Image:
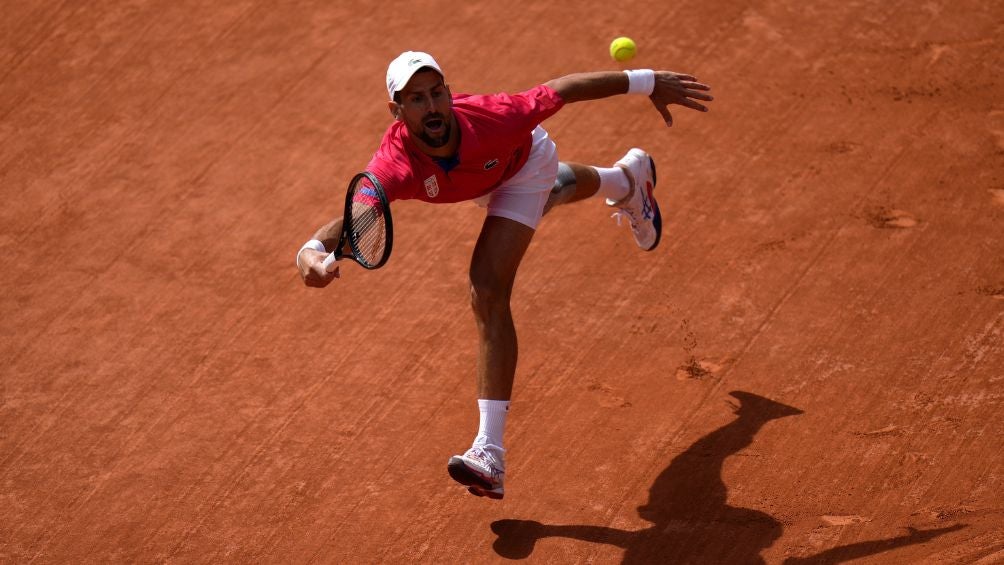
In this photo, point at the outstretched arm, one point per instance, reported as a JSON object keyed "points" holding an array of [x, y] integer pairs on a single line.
{"points": [[670, 88]]}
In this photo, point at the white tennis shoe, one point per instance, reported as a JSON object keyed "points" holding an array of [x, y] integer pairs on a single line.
{"points": [[639, 206], [481, 469]]}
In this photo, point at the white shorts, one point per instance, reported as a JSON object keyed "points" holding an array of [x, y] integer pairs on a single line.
{"points": [[522, 198]]}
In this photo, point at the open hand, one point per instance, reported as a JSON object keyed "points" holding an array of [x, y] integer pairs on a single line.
{"points": [[677, 88]]}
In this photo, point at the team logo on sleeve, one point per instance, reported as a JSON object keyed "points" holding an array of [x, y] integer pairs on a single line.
{"points": [[491, 164], [432, 186]]}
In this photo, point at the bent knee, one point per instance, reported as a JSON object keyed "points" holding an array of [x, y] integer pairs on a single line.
{"points": [[564, 182]]}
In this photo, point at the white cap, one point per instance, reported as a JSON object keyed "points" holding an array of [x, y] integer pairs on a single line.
{"points": [[400, 70]]}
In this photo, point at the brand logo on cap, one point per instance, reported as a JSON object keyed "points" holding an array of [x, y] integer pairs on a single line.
{"points": [[491, 164], [414, 62], [431, 186]]}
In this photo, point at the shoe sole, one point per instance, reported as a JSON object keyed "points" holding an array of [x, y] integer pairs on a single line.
{"points": [[486, 493], [476, 484], [657, 221]]}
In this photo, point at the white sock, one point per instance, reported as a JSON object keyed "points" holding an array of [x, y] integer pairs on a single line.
{"points": [[614, 183], [493, 413]]}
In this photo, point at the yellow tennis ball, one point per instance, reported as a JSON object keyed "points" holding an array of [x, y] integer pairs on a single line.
{"points": [[623, 49]]}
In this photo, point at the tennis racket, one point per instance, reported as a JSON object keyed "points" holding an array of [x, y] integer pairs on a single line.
{"points": [[366, 224]]}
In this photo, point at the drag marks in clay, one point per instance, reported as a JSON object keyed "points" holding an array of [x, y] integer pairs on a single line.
{"points": [[696, 369], [842, 147], [830, 520], [890, 430], [995, 291], [606, 396], [693, 368], [885, 218]]}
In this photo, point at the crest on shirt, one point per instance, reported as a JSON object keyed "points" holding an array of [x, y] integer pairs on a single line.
{"points": [[491, 164], [431, 186]]}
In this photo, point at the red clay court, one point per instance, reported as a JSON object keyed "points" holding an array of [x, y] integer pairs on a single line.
{"points": [[809, 369]]}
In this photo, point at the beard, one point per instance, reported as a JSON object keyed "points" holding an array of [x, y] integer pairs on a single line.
{"points": [[430, 140]]}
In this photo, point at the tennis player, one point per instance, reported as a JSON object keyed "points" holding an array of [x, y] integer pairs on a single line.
{"points": [[444, 147]]}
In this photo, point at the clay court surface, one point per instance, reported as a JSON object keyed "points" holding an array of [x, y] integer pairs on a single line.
{"points": [[809, 369]]}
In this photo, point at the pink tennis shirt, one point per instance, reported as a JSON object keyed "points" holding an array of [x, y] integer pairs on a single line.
{"points": [[495, 136]]}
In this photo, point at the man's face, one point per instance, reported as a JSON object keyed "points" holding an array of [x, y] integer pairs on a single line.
{"points": [[426, 108]]}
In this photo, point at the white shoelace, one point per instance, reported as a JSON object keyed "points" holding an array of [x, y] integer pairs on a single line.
{"points": [[620, 213], [486, 456]]}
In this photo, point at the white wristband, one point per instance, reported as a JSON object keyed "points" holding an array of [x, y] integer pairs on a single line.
{"points": [[314, 244], [641, 81]]}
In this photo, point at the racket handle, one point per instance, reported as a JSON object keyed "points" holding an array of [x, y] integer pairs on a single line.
{"points": [[329, 262]]}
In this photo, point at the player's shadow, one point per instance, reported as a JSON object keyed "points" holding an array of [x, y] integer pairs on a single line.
{"points": [[687, 505]]}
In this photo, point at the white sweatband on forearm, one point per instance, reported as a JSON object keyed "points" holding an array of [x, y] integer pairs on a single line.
{"points": [[641, 81], [314, 244]]}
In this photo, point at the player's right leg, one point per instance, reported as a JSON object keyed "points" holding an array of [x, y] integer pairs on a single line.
{"points": [[639, 205], [628, 186], [574, 182]]}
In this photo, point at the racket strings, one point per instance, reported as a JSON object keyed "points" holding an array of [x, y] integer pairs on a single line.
{"points": [[368, 237]]}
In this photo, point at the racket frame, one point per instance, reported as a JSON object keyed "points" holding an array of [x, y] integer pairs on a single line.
{"points": [[337, 254]]}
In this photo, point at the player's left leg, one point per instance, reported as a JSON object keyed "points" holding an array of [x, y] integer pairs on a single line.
{"points": [[514, 209], [497, 256]]}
